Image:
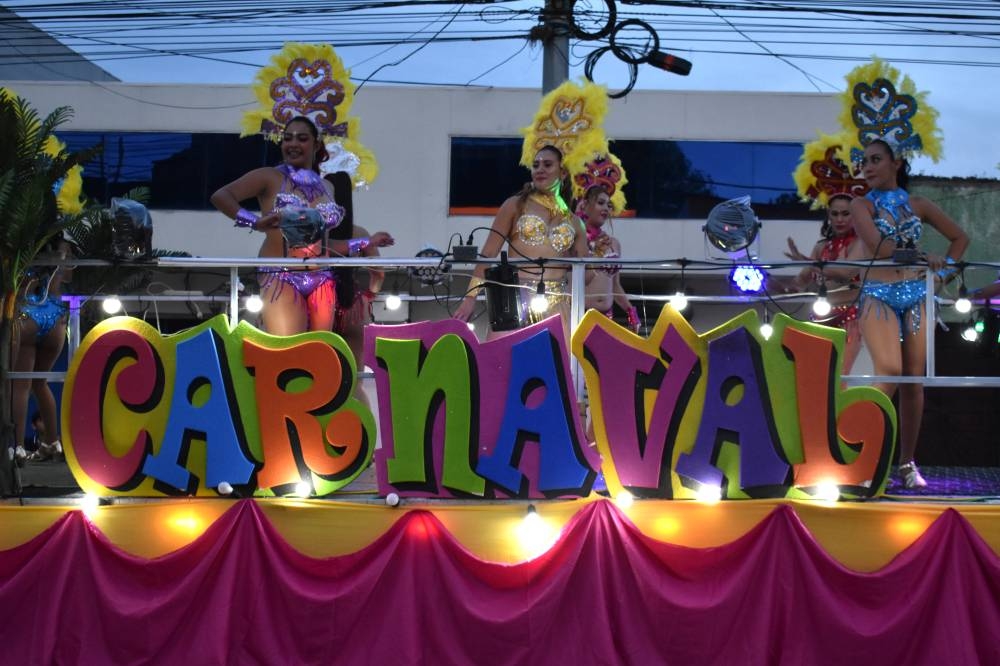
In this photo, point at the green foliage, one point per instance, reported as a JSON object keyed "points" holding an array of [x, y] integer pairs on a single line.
{"points": [[28, 175]]}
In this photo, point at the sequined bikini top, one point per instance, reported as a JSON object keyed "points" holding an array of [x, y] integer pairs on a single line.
{"points": [[310, 184], [535, 231], [599, 247], [893, 216]]}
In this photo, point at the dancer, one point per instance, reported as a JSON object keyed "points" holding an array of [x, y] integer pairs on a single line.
{"points": [[354, 301], [825, 181], [40, 341], [536, 223], [604, 288], [297, 204], [893, 319]]}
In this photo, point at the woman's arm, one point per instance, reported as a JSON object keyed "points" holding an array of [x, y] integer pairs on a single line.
{"points": [[862, 211], [375, 276], [254, 184], [958, 240], [500, 232]]}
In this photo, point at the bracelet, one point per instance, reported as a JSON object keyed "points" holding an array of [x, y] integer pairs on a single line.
{"points": [[475, 285], [356, 245], [947, 270], [633, 317], [245, 218]]}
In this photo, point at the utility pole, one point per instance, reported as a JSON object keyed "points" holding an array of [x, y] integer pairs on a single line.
{"points": [[555, 45]]}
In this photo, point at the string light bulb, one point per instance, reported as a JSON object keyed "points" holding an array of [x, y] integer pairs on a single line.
{"points": [[112, 305], [821, 307], [963, 305], [539, 302]]}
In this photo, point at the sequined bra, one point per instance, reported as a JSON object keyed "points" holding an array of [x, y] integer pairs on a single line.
{"points": [[600, 246], [535, 231], [331, 212], [894, 218]]}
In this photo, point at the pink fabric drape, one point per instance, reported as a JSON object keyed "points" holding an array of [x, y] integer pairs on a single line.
{"points": [[605, 594]]}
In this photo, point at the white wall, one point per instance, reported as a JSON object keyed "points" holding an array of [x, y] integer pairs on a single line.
{"points": [[409, 130]]}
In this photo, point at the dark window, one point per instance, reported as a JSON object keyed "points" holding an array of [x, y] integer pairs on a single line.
{"points": [[667, 179], [181, 170]]}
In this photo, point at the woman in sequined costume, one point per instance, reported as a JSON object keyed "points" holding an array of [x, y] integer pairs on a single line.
{"points": [[354, 300], [295, 299], [839, 241], [535, 224], [40, 341], [893, 320], [604, 288]]}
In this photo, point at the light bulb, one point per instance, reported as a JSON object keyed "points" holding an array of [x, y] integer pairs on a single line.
{"points": [[253, 303], [970, 334], [821, 307], [303, 489], [963, 305], [827, 492], [679, 301], [624, 499], [112, 305], [539, 303], [709, 494], [393, 302], [766, 330]]}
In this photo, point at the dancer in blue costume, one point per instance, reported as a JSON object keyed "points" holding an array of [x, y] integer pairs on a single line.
{"points": [[893, 320], [295, 299], [40, 341]]}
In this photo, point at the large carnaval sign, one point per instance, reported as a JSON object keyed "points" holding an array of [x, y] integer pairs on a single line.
{"points": [[146, 414]]}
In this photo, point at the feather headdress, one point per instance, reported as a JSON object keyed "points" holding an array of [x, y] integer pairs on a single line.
{"points": [[571, 118], [822, 173], [880, 104], [310, 80]]}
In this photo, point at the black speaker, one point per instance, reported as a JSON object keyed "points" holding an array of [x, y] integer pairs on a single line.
{"points": [[501, 296]]}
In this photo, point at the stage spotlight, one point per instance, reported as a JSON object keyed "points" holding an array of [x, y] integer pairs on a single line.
{"points": [[821, 307], [112, 305], [393, 301], [746, 278], [624, 499]]}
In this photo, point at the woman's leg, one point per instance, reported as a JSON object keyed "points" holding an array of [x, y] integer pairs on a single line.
{"points": [[321, 305], [47, 353], [284, 309], [852, 345], [880, 330], [911, 396], [24, 361]]}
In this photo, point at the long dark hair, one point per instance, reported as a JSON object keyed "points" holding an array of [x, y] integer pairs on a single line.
{"points": [[903, 174], [343, 190], [321, 154]]}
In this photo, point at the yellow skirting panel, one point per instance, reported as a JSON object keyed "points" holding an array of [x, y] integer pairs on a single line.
{"points": [[862, 536]]}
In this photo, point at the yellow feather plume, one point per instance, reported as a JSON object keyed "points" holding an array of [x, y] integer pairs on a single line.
{"points": [[571, 118], [69, 196], [824, 170], [924, 117], [310, 80]]}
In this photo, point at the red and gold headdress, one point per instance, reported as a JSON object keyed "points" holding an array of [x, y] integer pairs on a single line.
{"points": [[822, 173], [310, 80], [607, 172]]}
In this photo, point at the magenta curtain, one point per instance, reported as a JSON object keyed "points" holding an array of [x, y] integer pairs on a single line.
{"points": [[605, 594]]}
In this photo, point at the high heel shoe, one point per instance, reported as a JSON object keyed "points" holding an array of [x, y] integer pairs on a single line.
{"points": [[911, 476]]}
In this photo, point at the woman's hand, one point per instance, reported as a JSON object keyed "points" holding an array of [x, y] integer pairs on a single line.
{"points": [[465, 310], [269, 221], [382, 239], [793, 252]]}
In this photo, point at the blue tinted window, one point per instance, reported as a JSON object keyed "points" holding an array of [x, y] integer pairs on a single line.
{"points": [[667, 179], [181, 170]]}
